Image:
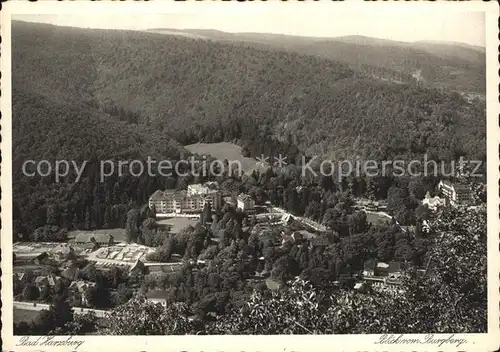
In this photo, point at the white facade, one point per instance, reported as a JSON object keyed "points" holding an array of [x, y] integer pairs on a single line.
{"points": [[433, 203], [180, 202], [245, 203], [455, 193]]}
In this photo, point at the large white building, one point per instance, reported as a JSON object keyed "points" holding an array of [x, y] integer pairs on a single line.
{"points": [[245, 203], [191, 201], [433, 203], [456, 194]]}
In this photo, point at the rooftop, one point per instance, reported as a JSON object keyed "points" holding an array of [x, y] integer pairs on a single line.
{"points": [[456, 186], [39, 279], [200, 189], [381, 265]]}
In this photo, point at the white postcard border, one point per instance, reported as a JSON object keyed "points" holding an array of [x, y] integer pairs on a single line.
{"points": [[476, 342]]}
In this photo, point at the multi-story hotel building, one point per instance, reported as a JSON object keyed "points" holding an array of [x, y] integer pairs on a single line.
{"points": [[191, 201], [455, 194], [245, 203]]}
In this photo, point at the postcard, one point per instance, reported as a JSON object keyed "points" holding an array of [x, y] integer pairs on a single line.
{"points": [[250, 176]]}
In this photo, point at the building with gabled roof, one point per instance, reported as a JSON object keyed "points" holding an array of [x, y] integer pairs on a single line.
{"points": [[81, 285], [91, 239], [78, 289], [41, 281], [19, 276]]}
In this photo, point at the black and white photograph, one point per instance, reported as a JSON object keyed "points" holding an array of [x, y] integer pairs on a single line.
{"points": [[264, 170]]}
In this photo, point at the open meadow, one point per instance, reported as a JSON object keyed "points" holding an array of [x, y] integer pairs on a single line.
{"points": [[226, 150]]}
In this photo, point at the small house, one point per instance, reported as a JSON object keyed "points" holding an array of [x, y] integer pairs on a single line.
{"points": [[43, 281], [245, 203], [433, 203], [382, 269]]}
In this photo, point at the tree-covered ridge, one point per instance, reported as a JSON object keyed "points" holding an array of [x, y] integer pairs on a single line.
{"points": [[76, 132], [455, 66], [267, 99], [48, 130]]}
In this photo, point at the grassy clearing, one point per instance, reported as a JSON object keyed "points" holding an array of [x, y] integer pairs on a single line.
{"points": [[178, 223], [226, 150]]}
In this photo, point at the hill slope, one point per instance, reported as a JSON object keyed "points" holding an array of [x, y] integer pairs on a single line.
{"points": [[438, 64], [48, 130], [271, 100]]}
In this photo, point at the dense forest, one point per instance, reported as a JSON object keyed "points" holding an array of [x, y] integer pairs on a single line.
{"points": [[45, 130], [100, 94], [455, 66], [200, 90]]}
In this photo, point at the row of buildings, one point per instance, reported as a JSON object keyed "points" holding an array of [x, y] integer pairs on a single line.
{"points": [[454, 193], [78, 289], [194, 199]]}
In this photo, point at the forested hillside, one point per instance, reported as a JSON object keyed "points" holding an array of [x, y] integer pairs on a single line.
{"points": [[45, 130], [88, 96], [199, 90], [99, 94], [455, 66]]}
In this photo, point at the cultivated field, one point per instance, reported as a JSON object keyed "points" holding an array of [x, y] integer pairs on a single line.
{"points": [[226, 150]]}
